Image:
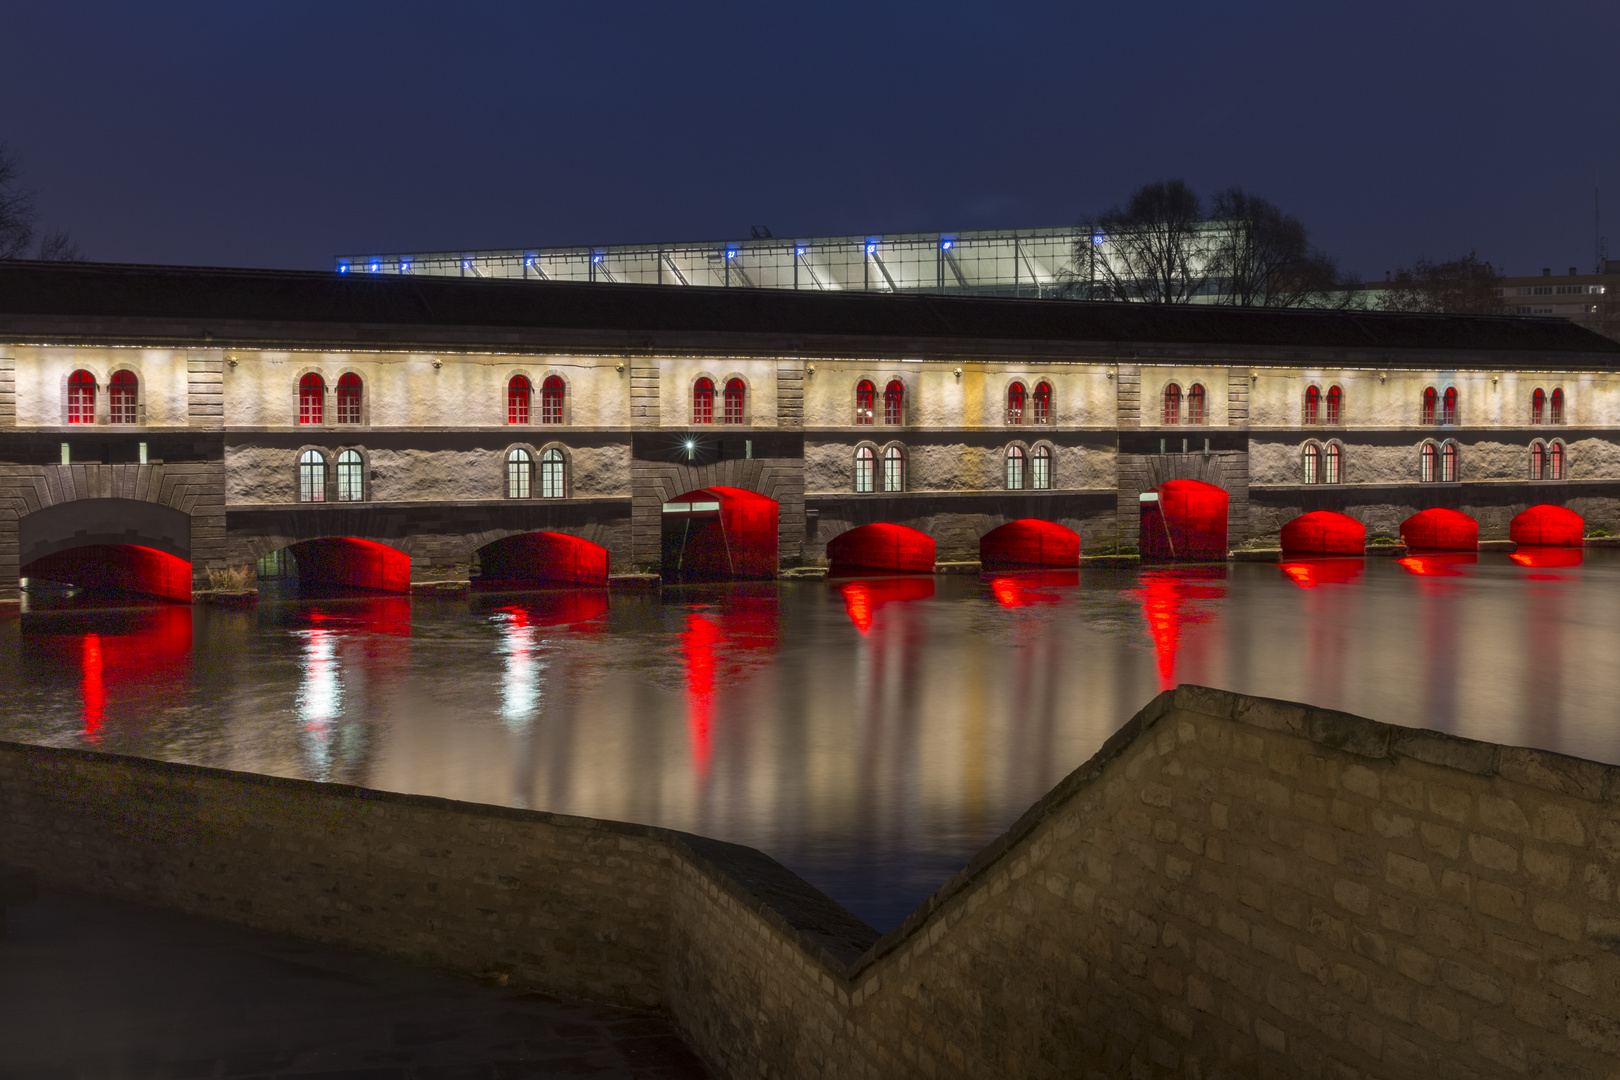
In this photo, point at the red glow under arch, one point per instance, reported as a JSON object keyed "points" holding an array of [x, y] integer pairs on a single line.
{"points": [[737, 540], [1444, 565], [1030, 542], [1310, 573], [1187, 522], [1323, 532], [349, 562], [882, 547], [1169, 604], [1032, 589], [543, 558], [1439, 529], [127, 568], [1548, 526]]}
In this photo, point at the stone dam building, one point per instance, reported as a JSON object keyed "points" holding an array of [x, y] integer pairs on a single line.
{"points": [[161, 426]]}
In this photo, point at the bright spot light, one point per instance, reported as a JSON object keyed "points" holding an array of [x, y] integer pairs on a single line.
{"points": [[946, 245], [1097, 238], [596, 258], [344, 269], [801, 251], [731, 254], [375, 267], [870, 248]]}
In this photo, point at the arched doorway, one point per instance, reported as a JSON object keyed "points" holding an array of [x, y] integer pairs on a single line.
{"points": [[346, 562], [719, 534], [1323, 532], [1030, 542], [542, 558], [1439, 529], [1183, 520], [882, 546], [108, 545]]}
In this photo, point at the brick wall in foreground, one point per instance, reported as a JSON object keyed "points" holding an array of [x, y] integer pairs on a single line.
{"points": [[1231, 887]]}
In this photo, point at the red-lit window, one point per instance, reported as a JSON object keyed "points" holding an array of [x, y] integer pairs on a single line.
{"points": [[121, 396], [1429, 399], [894, 402], [1538, 407], [734, 401], [1558, 406], [311, 399], [1448, 406], [865, 462], [1015, 468], [894, 469], [1313, 463], [1538, 460], [1313, 401], [1333, 464], [1448, 463], [1041, 405], [865, 399], [1335, 404], [518, 394], [1172, 404], [551, 400], [1555, 458], [1195, 404], [703, 402], [81, 398], [1015, 403], [1426, 463], [348, 399]]}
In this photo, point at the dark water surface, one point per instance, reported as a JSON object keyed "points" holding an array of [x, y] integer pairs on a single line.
{"points": [[872, 734]]}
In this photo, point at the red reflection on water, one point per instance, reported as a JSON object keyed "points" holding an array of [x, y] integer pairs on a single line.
{"points": [[142, 651], [372, 615], [563, 607], [1310, 573], [1028, 590], [720, 649], [863, 599], [698, 642], [1548, 558], [94, 691], [1444, 565], [1169, 599]]}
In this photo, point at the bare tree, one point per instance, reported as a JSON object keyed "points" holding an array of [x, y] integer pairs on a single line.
{"points": [[1155, 248], [19, 219], [1465, 286], [1262, 257]]}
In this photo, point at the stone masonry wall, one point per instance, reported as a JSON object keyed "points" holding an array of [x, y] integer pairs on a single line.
{"points": [[1232, 886]]}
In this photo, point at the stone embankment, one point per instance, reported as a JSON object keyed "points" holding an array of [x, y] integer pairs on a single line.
{"points": [[1231, 886]]}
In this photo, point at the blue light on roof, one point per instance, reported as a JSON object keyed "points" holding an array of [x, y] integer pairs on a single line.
{"points": [[731, 253], [871, 248], [404, 266], [376, 266], [529, 261], [343, 268], [1097, 238], [596, 258], [945, 244], [466, 264], [800, 251]]}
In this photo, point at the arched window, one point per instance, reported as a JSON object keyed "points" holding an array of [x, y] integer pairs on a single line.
{"points": [[81, 398], [1448, 406], [703, 401], [1335, 404], [519, 472], [1313, 463], [894, 402], [312, 399], [734, 401], [121, 393], [311, 476], [1172, 404], [1040, 468], [1015, 403], [551, 400], [1555, 458], [1313, 401], [865, 399], [1015, 468], [1538, 460], [1041, 405], [1538, 406], [1333, 464], [519, 392], [351, 476], [1195, 404], [865, 465], [1448, 462], [894, 469], [553, 474], [1558, 405], [348, 399], [1429, 399], [1427, 460]]}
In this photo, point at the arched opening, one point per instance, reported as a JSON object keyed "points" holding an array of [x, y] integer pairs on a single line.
{"points": [[1448, 462], [894, 402], [1313, 401], [348, 399], [1538, 406], [719, 533], [519, 473], [1015, 403], [1538, 460], [311, 399], [1333, 464], [519, 394], [1312, 462], [123, 395], [1439, 529], [100, 546], [1040, 468], [1041, 404], [894, 469], [1172, 405], [1429, 400], [1448, 406], [553, 474], [1428, 463], [1545, 525], [865, 401], [1323, 532], [882, 546], [551, 400], [542, 558], [1195, 404], [81, 403], [1335, 404], [1555, 461], [346, 562], [1030, 542], [1558, 405], [734, 401], [1015, 468], [865, 469], [311, 476], [703, 401], [113, 569], [351, 476], [1183, 519]]}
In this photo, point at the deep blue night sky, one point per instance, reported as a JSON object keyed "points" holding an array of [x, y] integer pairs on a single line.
{"points": [[282, 134]]}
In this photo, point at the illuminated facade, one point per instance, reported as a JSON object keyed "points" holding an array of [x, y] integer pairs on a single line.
{"points": [[221, 417]]}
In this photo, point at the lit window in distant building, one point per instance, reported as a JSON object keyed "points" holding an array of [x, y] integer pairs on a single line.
{"points": [[1333, 464], [1429, 400], [519, 473], [1448, 406], [553, 474], [894, 469], [311, 477], [1172, 405], [351, 476], [121, 397], [894, 402], [1041, 404], [1335, 404], [81, 398], [1015, 468], [1558, 406], [1538, 406], [1313, 401], [519, 394], [865, 399], [1195, 404], [1448, 463], [1538, 460], [1015, 403], [551, 400], [703, 401], [348, 399], [1313, 463], [734, 401], [1040, 468], [1555, 459], [311, 399], [1427, 462], [865, 462]]}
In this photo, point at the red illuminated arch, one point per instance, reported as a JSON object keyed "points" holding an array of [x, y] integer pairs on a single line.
{"points": [[1030, 542], [1545, 525], [865, 402], [81, 398], [1323, 532], [120, 568], [122, 397], [720, 533], [312, 399], [1448, 406], [352, 563], [1538, 406], [1187, 520], [543, 558], [551, 400], [894, 402], [882, 546], [1313, 402], [1429, 400], [1041, 403], [1439, 529], [734, 401], [348, 399], [1335, 404], [1558, 405], [703, 401], [519, 393], [1015, 403], [1172, 404], [1195, 404]]}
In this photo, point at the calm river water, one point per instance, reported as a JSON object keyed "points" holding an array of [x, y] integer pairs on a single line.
{"points": [[872, 734]]}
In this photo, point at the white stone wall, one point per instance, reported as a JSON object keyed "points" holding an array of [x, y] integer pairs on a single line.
{"points": [[1082, 395], [677, 376], [830, 466], [163, 390]]}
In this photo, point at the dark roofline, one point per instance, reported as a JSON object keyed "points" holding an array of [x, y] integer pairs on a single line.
{"points": [[128, 303]]}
